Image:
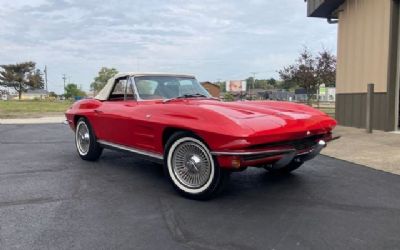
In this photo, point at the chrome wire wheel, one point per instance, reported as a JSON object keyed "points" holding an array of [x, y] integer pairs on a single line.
{"points": [[190, 165], [82, 138]]}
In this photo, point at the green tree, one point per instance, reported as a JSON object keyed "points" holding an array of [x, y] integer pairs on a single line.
{"points": [[326, 68], [249, 83], [37, 79], [310, 71], [288, 82], [21, 77], [222, 85], [272, 82], [72, 91], [53, 94], [101, 79], [228, 97]]}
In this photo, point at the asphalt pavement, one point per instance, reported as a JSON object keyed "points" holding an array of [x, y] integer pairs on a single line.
{"points": [[51, 199]]}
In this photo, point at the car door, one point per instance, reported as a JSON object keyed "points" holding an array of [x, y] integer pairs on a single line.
{"points": [[116, 115]]}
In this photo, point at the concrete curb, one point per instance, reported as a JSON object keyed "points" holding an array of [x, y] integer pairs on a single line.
{"points": [[41, 120]]}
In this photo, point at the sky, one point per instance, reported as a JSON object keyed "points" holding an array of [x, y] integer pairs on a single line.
{"points": [[212, 39]]}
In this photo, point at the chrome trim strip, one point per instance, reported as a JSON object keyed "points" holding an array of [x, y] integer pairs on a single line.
{"points": [[133, 150], [136, 94], [244, 153], [320, 145]]}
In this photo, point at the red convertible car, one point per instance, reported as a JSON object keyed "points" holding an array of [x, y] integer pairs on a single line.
{"points": [[172, 119]]}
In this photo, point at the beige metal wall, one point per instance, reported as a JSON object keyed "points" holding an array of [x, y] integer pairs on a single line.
{"points": [[363, 45]]}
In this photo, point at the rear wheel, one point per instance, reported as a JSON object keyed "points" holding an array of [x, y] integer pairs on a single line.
{"points": [[293, 165], [85, 141], [191, 168]]}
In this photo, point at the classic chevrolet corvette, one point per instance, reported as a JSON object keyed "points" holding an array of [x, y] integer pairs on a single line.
{"points": [[172, 119]]}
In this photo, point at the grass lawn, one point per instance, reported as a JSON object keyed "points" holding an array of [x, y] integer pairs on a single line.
{"points": [[22, 109], [328, 111], [29, 109], [326, 107]]}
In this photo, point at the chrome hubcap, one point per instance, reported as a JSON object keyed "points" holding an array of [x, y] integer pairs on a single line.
{"points": [[82, 138], [191, 164]]}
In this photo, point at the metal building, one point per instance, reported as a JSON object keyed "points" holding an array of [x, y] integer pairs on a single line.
{"points": [[368, 46]]}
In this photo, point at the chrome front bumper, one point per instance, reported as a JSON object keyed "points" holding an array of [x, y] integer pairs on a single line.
{"points": [[276, 158]]}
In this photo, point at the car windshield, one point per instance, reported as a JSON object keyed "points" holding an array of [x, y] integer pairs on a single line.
{"points": [[168, 87]]}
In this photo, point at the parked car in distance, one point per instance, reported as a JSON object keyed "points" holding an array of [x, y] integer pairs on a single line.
{"points": [[173, 120]]}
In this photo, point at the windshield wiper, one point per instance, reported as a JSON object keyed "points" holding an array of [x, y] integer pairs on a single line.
{"points": [[191, 95], [188, 96]]}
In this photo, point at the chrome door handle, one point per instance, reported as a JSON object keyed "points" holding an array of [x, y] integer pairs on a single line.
{"points": [[129, 105]]}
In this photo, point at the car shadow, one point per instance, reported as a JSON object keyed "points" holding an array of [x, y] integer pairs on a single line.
{"points": [[253, 181]]}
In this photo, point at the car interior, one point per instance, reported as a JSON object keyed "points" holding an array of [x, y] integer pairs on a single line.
{"points": [[122, 90]]}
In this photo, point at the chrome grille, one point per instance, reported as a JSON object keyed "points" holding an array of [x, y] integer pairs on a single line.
{"points": [[301, 144]]}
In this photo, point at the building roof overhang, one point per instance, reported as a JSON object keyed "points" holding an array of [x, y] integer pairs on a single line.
{"points": [[323, 8]]}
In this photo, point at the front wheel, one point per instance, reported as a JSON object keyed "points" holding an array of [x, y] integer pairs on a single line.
{"points": [[191, 168], [85, 141]]}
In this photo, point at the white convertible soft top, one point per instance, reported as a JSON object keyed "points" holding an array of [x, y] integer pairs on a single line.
{"points": [[106, 91]]}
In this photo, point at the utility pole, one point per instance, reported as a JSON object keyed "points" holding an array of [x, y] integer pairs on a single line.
{"points": [[45, 77], [64, 78], [254, 80]]}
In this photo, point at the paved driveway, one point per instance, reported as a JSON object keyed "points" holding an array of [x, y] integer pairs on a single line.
{"points": [[50, 199]]}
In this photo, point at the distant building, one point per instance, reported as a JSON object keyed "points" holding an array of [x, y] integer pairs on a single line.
{"points": [[257, 94], [327, 95], [300, 95], [281, 95], [34, 94], [212, 88], [7, 91]]}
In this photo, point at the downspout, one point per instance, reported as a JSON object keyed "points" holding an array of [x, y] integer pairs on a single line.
{"points": [[330, 20], [334, 20]]}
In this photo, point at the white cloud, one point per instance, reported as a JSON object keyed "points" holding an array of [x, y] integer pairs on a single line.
{"points": [[211, 39], [17, 4]]}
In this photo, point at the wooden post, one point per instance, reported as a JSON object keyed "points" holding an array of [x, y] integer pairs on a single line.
{"points": [[370, 107]]}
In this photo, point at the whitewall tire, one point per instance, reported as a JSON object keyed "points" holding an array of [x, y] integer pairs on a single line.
{"points": [[85, 141], [191, 168]]}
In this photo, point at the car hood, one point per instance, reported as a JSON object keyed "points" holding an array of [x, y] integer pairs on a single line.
{"points": [[267, 116]]}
